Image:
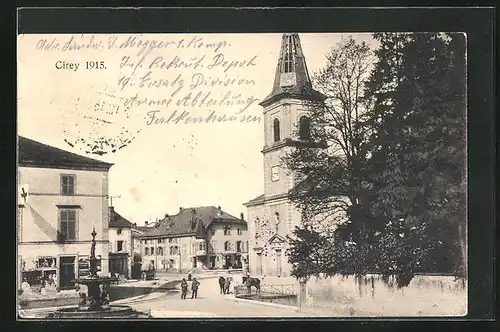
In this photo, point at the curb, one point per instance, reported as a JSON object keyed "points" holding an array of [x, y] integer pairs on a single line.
{"points": [[274, 305], [143, 296]]}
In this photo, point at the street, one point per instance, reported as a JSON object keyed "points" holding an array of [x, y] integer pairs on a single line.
{"points": [[210, 303]]}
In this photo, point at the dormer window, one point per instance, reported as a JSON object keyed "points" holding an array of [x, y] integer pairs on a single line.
{"points": [[276, 130]]}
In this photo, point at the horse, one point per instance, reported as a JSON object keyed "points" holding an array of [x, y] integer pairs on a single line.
{"points": [[249, 282], [222, 281]]}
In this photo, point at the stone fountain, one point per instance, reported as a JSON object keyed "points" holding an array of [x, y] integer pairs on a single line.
{"points": [[96, 305]]}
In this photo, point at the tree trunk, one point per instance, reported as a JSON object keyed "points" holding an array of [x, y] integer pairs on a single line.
{"points": [[301, 300]]}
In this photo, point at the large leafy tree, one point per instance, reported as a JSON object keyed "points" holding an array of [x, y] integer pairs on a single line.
{"points": [[396, 158], [332, 184]]}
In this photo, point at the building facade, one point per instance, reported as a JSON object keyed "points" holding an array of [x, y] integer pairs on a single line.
{"points": [[200, 237], [62, 197], [120, 244], [271, 216]]}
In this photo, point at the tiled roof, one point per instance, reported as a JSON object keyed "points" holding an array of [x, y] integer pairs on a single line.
{"points": [[33, 153], [116, 220], [181, 223]]}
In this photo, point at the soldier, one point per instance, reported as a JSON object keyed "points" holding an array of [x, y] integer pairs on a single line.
{"points": [[194, 288], [184, 288], [227, 285]]}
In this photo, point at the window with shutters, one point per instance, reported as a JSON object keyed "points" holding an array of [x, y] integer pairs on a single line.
{"points": [[68, 184], [160, 251], [174, 250], [119, 245], [146, 251], [213, 246], [67, 225]]}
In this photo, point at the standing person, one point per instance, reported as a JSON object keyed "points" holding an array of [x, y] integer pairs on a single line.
{"points": [[227, 285], [184, 288], [222, 282], [194, 288]]}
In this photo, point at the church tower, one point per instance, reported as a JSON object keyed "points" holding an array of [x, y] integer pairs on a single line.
{"points": [[287, 109]]}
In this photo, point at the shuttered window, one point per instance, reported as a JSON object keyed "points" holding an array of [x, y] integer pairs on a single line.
{"points": [[67, 225]]}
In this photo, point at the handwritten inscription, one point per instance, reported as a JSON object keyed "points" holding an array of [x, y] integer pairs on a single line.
{"points": [[163, 79]]}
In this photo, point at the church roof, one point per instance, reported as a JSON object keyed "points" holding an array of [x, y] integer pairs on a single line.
{"points": [[292, 78], [36, 154], [255, 201], [181, 223]]}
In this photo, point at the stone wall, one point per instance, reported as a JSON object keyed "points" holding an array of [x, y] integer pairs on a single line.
{"points": [[369, 296]]}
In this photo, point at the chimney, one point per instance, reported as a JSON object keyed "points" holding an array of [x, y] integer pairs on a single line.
{"points": [[111, 209], [242, 216], [180, 209], [146, 223], [134, 225], [166, 216], [219, 212]]}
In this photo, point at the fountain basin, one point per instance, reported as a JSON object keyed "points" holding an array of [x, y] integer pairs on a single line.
{"points": [[113, 311]]}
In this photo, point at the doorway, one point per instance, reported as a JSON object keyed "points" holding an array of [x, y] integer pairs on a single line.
{"points": [[212, 262], [278, 263], [66, 272], [228, 262], [259, 264]]}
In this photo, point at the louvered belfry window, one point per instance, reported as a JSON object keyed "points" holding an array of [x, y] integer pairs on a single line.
{"points": [[289, 55]]}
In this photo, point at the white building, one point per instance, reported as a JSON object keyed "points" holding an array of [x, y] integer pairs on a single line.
{"points": [[62, 197], [120, 244]]}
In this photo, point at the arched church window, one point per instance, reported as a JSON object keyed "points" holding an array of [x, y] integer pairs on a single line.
{"points": [[276, 130], [304, 127]]}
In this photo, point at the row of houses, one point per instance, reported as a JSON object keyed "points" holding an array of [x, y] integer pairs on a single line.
{"points": [[64, 196]]}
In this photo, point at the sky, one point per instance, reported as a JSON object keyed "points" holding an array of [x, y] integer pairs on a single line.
{"points": [[160, 166]]}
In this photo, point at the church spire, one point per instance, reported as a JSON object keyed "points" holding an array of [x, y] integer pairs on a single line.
{"points": [[292, 78]]}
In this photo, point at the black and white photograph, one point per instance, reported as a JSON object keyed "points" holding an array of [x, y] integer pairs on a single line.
{"points": [[242, 175]]}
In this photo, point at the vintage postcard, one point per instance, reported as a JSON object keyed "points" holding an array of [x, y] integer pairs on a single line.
{"points": [[242, 175]]}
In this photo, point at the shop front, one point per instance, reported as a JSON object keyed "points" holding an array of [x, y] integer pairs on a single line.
{"points": [[42, 268], [118, 264]]}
